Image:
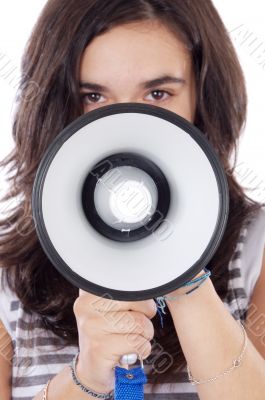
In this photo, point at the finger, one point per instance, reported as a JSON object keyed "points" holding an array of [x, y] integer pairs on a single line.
{"points": [[127, 322], [106, 303], [147, 307], [125, 344]]}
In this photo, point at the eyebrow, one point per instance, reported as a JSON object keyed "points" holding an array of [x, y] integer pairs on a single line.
{"points": [[144, 85]]}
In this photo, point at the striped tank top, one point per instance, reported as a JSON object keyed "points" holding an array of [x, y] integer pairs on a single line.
{"points": [[37, 357]]}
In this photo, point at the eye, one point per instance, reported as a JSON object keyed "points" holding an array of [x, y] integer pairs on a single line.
{"points": [[90, 98], [159, 95]]}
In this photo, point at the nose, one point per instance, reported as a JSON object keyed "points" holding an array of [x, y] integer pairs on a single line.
{"points": [[126, 99]]}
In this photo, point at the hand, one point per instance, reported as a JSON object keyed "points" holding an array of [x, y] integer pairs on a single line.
{"points": [[107, 330]]}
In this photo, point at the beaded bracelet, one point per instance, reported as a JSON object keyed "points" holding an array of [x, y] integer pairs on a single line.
{"points": [[45, 391], [106, 396]]}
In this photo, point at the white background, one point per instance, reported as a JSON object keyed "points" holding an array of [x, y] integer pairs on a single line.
{"points": [[245, 22]]}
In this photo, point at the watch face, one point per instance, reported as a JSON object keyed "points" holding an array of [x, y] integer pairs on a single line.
{"points": [[130, 200]]}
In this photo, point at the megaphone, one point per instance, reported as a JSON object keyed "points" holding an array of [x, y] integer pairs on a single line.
{"points": [[130, 200]]}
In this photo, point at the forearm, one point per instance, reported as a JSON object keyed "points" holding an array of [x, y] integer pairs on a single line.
{"points": [[210, 339], [63, 387]]}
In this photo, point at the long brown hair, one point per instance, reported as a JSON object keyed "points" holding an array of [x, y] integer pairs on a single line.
{"points": [[49, 99]]}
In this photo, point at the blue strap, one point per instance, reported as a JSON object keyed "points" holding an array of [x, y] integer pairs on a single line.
{"points": [[129, 384]]}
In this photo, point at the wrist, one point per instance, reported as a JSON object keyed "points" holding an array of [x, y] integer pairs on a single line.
{"points": [[183, 289], [199, 295], [189, 289], [87, 377], [62, 387]]}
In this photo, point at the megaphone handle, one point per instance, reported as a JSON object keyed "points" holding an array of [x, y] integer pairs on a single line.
{"points": [[129, 384], [128, 359]]}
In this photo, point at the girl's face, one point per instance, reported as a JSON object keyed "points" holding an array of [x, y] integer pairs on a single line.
{"points": [[139, 62]]}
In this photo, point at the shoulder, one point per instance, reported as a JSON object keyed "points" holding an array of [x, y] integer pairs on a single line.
{"points": [[252, 251], [258, 222], [7, 310], [256, 308]]}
